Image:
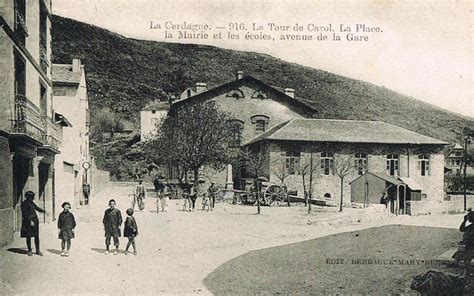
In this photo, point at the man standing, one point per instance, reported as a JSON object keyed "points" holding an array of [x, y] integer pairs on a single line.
{"points": [[30, 222], [159, 190], [86, 190], [468, 241], [212, 191], [140, 194], [166, 193], [384, 200]]}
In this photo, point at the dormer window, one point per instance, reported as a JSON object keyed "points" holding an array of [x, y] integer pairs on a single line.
{"points": [[259, 95], [261, 122], [235, 93]]}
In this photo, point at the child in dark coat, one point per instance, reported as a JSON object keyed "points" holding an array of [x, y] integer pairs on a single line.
{"points": [[66, 225], [112, 221], [130, 231]]}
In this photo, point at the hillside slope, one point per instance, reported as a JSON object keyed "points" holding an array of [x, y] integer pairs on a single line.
{"points": [[125, 74]]}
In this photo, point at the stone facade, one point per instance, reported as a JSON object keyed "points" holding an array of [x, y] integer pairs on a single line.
{"points": [[329, 185], [248, 107], [71, 100], [27, 117], [251, 103]]}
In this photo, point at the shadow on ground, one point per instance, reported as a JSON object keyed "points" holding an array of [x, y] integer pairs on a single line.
{"points": [[21, 251], [98, 250], [53, 251], [337, 264]]}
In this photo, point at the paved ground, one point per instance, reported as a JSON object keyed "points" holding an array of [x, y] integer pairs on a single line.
{"points": [[176, 250]]}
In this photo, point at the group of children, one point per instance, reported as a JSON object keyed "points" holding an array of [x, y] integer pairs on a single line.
{"points": [[112, 221], [113, 218]]}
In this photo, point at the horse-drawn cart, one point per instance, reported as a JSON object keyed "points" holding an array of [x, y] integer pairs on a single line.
{"points": [[270, 194]]}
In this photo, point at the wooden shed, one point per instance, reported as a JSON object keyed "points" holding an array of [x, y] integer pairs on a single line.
{"points": [[369, 188]]}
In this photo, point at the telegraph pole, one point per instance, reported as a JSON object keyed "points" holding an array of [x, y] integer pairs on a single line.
{"points": [[464, 173]]}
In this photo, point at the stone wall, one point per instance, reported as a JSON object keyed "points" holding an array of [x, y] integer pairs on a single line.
{"points": [[99, 179], [433, 184], [247, 107], [6, 194], [451, 204]]}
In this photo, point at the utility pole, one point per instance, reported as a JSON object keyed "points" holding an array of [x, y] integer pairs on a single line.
{"points": [[464, 172], [310, 181]]}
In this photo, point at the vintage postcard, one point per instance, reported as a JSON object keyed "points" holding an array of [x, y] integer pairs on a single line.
{"points": [[254, 147]]}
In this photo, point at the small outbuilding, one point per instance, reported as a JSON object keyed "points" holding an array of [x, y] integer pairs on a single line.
{"points": [[370, 187]]}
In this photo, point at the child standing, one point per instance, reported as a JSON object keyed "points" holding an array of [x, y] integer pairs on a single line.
{"points": [[112, 221], [130, 231], [66, 225]]}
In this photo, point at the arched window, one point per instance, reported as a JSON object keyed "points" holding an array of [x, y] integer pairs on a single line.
{"points": [[261, 122], [235, 93], [327, 195], [259, 95], [237, 126]]}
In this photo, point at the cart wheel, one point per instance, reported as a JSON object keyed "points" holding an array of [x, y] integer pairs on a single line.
{"points": [[274, 193]]}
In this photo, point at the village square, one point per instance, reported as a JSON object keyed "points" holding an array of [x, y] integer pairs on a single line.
{"points": [[244, 183]]}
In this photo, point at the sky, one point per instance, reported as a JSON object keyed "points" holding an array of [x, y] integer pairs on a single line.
{"points": [[424, 49]]}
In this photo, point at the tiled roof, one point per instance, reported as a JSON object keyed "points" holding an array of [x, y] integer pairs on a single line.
{"points": [[63, 73], [156, 106], [348, 131], [278, 92]]}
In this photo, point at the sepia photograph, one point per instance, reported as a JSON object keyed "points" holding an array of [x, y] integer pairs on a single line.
{"points": [[253, 147]]}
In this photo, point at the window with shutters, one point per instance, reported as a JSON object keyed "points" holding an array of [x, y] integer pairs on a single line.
{"points": [[424, 164], [292, 162], [360, 163], [327, 163], [392, 164]]}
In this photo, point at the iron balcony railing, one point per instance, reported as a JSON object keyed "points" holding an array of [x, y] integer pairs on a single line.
{"points": [[21, 21], [44, 61], [53, 133], [29, 120]]}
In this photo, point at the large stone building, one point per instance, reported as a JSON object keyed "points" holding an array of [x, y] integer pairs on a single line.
{"points": [[280, 123], [70, 100], [28, 122], [255, 107], [403, 158]]}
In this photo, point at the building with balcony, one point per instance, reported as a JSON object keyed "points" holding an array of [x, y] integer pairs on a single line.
{"points": [[27, 121], [71, 101]]}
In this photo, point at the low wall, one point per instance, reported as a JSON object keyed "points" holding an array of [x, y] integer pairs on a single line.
{"points": [[453, 203], [99, 179]]}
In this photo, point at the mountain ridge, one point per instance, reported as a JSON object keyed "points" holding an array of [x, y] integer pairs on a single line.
{"points": [[124, 74]]}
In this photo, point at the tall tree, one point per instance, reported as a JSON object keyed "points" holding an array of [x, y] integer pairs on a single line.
{"points": [[343, 166], [193, 136], [309, 168]]}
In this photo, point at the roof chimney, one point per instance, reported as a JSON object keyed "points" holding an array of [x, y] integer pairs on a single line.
{"points": [[290, 92], [76, 65], [171, 99], [201, 87], [239, 75]]}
